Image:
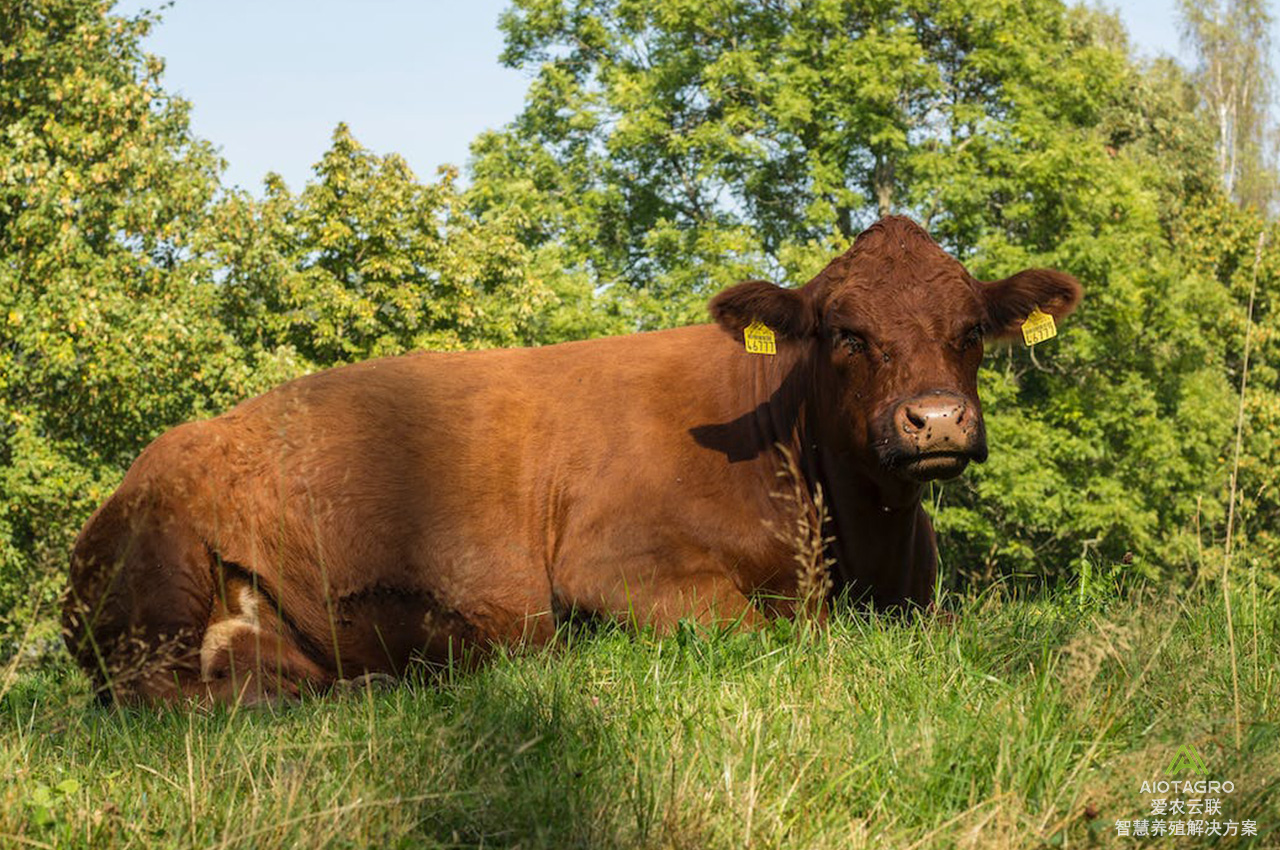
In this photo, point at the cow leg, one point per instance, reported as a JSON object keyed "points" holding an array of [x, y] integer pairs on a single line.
{"points": [[242, 653], [709, 598], [923, 571], [248, 653], [657, 598]]}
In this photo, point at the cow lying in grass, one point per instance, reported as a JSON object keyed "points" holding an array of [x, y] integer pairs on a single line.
{"points": [[411, 507]]}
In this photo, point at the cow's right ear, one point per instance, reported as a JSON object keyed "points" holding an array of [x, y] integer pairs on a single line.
{"points": [[786, 311]]}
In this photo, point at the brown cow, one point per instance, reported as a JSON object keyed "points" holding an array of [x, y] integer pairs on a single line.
{"points": [[409, 507]]}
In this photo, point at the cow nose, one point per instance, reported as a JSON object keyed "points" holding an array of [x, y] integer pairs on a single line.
{"points": [[937, 422]]}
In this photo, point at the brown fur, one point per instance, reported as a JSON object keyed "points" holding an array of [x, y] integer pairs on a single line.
{"points": [[427, 505]]}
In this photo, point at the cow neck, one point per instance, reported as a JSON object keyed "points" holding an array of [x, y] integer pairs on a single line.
{"points": [[874, 527], [762, 406], [782, 388], [785, 416], [784, 410]]}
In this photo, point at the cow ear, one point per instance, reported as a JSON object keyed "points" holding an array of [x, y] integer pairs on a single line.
{"points": [[1011, 300], [786, 311]]}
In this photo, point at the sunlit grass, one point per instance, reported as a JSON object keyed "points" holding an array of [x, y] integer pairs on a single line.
{"points": [[1020, 723]]}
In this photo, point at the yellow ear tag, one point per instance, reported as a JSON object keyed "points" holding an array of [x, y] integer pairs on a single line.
{"points": [[759, 338], [1038, 327]]}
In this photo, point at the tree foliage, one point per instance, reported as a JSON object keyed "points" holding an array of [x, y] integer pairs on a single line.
{"points": [[755, 137], [368, 261], [665, 149], [106, 332], [1235, 84]]}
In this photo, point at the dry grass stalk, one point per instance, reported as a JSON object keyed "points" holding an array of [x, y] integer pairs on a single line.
{"points": [[804, 535], [1235, 470]]}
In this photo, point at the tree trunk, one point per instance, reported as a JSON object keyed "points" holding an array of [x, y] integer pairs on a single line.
{"points": [[844, 221], [882, 184]]}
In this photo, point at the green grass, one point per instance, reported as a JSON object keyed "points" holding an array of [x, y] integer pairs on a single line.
{"points": [[1020, 723]]}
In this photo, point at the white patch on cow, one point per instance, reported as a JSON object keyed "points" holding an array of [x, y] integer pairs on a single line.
{"points": [[218, 635]]}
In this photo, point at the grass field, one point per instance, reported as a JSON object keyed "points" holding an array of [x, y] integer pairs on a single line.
{"points": [[1017, 723]]}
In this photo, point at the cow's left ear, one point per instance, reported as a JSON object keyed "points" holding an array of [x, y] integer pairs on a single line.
{"points": [[787, 312], [1011, 300]]}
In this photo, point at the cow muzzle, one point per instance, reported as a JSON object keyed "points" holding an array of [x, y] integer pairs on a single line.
{"points": [[935, 435]]}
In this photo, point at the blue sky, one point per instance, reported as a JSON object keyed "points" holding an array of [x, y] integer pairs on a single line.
{"points": [[269, 79]]}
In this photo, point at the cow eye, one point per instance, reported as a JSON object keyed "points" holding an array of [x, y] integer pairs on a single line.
{"points": [[972, 337], [852, 342]]}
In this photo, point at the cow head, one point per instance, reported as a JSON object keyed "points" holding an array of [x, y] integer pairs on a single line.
{"points": [[896, 329]]}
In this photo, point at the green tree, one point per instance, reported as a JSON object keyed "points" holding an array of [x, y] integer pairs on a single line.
{"points": [[1234, 82], [107, 329], [666, 149], [368, 261], [1236, 248]]}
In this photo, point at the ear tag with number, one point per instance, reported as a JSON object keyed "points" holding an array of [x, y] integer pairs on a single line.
{"points": [[1038, 327], [759, 338]]}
